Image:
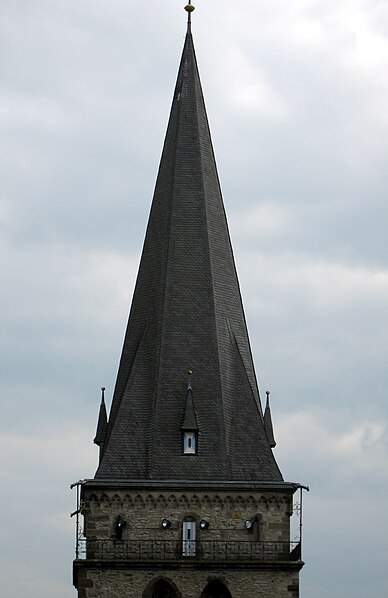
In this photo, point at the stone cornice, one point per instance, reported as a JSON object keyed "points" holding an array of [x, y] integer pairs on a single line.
{"points": [[190, 484], [83, 564]]}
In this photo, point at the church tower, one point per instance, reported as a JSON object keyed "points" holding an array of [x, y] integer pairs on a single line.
{"points": [[188, 500]]}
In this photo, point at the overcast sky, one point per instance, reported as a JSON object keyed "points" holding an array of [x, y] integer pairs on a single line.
{"points": [[297, 97]]}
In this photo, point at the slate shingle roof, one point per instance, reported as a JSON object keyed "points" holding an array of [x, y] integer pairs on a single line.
{"points": [[187, 314]]}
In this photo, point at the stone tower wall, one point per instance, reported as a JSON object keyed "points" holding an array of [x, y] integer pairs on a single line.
{"points": [[189, 583], [226, 513]]}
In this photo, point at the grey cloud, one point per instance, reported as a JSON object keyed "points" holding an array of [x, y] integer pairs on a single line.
{"points": [[85, 94]]}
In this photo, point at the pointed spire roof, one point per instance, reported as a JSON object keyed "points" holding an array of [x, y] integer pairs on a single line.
{"points": [[268, 423], [190, 418], [187, 309], [102, 423]]}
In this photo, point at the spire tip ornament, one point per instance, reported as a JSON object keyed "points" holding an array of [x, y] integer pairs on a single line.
{"points": [[189, 8]]}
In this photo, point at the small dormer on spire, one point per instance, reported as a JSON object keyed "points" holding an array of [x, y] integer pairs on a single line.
{"points": [[190, 426], [102, 424], [268, 423]]}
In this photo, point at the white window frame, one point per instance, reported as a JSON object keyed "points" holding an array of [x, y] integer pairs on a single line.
{"points": [[189, 533], [189, 443]]}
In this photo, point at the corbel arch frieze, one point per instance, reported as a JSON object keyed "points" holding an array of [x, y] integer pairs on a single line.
{"points": [[116, 503], [144, 500]]}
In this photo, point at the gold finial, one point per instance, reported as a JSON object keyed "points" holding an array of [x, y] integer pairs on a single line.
{"points": [[189, 9]]}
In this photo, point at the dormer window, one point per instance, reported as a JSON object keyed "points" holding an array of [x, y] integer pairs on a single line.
{"points": [[190, 443]]}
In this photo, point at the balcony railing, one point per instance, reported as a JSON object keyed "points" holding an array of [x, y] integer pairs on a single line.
{"points": [[170, 550]]}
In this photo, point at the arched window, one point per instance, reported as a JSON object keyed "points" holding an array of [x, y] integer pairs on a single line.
{"points": [[216, 589]]}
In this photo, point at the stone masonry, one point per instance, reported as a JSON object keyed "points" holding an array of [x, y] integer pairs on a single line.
{"points": [[189, 583], [107, 572], [225, 511]]}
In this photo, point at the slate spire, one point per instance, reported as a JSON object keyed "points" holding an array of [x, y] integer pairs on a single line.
{"points": [[102, 424], [190, 418], [187, 309], [268, 423]]}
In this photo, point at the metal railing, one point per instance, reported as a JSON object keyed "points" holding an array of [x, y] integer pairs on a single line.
{"points": [[170, 550]]}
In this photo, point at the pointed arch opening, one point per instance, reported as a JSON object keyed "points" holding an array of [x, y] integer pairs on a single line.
{"points": [[162, 588], [216, 589]]}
